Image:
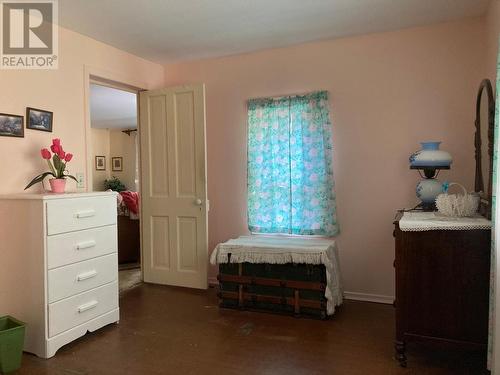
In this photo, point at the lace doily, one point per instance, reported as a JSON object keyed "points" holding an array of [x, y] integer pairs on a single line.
{"points": [[422, 221]]}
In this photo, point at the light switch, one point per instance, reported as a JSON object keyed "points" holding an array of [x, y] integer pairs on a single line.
{"points": [[81, 181]]}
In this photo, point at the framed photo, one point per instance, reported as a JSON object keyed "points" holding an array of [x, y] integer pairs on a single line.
{"points": [[100, 163], [117, 164], [11, 125], [38, 119]]}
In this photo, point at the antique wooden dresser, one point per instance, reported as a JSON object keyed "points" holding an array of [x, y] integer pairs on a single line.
{"points": [[442, 281]]}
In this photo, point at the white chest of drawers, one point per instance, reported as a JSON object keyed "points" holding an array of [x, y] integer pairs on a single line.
{"points": [[58, 266]]}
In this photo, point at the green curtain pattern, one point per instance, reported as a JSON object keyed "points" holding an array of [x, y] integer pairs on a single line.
{"points": [[290, 175]]}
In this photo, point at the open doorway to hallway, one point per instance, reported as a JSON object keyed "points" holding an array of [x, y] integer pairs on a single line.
{"points": [[115, 158]]}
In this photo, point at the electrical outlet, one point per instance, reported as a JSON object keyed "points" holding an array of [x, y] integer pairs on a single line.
{"points": [[81, 181]]}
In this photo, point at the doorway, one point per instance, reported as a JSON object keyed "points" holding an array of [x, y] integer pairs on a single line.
{"points": [[114, 156], [171, 177]]}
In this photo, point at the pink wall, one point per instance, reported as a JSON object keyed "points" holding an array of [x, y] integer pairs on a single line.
{"points": [[388, 92], [492, 33], [60, 91]]}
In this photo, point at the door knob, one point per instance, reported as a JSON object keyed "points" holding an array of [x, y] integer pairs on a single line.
{"points": [[198, 202]]}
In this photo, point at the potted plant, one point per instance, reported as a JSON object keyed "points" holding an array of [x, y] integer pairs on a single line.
{"points": [[57, 164], [114, 184]]}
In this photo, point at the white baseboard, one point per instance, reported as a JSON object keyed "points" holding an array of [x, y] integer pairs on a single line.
{"points": [[377, 298]]}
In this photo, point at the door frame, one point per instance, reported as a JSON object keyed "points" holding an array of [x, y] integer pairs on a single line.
{"points": [[121, 82]]}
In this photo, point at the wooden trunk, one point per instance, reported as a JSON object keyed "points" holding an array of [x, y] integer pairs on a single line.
{"points": [[442, 288], [297, 289]]}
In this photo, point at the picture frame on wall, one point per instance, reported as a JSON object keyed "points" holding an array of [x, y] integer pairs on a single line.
{"points": [[117, 164], [11, 125], [39, 119], [100, 163]]}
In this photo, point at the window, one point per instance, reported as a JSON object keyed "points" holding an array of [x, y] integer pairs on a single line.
{"points": [[290, 177]]}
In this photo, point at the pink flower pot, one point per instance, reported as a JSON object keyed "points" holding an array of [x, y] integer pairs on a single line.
{"points": [[57, 185]]}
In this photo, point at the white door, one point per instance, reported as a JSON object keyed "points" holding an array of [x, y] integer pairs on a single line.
{"points": [[174, 193]]}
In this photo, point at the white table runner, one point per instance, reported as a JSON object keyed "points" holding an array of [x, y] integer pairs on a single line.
{"points": [[281, 250], [422, 221]]}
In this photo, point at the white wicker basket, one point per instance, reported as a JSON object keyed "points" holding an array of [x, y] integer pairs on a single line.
{"points": [[457, 205]]}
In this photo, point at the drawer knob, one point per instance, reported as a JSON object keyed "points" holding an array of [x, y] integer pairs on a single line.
{"points": [[85, 245], [87, 306], [86, 275], [83, 214]]}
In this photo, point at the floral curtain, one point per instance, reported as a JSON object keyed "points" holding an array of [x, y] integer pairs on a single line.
{"points": [[290, 177]]}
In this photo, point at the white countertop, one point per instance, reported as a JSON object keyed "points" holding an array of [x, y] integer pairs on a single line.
{"points": [[48, 195]]}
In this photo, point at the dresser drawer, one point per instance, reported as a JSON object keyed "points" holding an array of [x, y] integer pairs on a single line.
{"points": [[73, 247], [76, 310], [67, 215], [79, 277]]}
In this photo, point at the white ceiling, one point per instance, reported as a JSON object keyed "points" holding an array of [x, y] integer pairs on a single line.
{"points": [[112, 109], [172, 30]]}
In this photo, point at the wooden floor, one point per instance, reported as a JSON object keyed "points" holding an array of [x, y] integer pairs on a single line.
{"points": [[166, 330]]}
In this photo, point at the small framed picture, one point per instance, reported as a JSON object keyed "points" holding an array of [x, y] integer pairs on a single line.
{"points": [[100, 163], [38, 119], [117, 164], [11, 125]]}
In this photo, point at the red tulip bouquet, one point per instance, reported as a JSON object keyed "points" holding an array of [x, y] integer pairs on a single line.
{"points": [[57, 167]]}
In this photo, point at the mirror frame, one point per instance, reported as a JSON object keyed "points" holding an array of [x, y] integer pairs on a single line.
{"points": [[479, 184]]}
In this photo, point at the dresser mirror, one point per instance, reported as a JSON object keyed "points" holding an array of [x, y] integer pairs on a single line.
{"points": [[483, 141]]}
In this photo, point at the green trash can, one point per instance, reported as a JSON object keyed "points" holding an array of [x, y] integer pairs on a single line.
{"points": [[11, 344]]}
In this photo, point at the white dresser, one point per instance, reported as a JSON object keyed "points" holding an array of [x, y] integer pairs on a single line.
{"points": [[58, 265]]}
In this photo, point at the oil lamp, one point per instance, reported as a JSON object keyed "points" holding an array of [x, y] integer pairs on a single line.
{"points": [[429, 161]]}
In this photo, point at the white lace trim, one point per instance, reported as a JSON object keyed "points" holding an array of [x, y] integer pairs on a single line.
{"points": [[281, 250], [477, 227]]}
